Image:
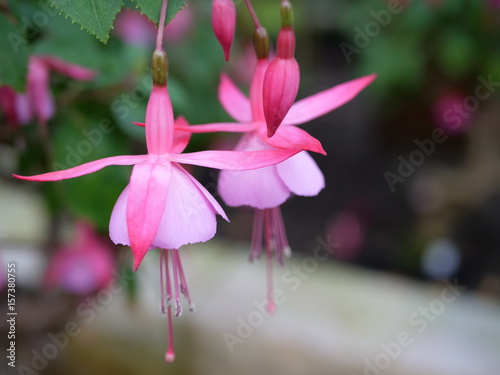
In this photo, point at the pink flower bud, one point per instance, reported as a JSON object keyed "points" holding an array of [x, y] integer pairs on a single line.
{"points": [[281, 82], [224, 23]]}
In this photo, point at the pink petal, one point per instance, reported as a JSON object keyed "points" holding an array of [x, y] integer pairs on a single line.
{"points": [[235, 160], [234, 102], [302, 175], [290, 137], [224, 23], [325, 101], [256, 88], [74, 71], [86, 168], [181, 137], [215, 205], [188, 217], [149, 185], [235, 127], [261, 188]]}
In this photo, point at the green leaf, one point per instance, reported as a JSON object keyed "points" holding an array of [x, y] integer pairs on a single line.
{"points": [[13, 55], [96, 16], [151, 8]]}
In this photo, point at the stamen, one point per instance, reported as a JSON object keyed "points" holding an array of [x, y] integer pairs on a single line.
{"points": [[184, 287], [178, 307], [179, 286], [269, 261], [256, 245], [162, 288], [170, 354]]}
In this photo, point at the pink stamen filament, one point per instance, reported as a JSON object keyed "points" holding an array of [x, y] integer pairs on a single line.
{"points": [[269, 261], [255, 19], [270, 229], [171, 265]]}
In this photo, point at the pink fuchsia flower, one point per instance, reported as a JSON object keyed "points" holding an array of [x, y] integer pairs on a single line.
{"points": [[224, 23], [282, 78], [38, 101], [164, 206], [267, 188], [82, 267]]}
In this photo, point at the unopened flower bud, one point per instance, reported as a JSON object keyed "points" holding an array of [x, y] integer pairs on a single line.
{"points": [[281, 82], [224, 23]]}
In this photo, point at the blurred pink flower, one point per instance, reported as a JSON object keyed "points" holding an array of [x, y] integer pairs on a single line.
{"points": [[450, 113], [38, 101], [136, 29], [82, 267]]}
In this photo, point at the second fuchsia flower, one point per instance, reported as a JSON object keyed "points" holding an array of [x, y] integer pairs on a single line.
{"points": [[267, 188]]}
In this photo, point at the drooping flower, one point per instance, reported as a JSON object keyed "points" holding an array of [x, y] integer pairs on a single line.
{"points": [[164, 206], [282, 78], [38, 102], [82, 267], [267, 188], [224, 23]]}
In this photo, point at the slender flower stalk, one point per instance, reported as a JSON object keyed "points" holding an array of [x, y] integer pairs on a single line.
{"points": [[253, 15]]}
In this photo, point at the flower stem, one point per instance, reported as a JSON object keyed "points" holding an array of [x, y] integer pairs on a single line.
{"points": [[255, 19], [161, 25]]}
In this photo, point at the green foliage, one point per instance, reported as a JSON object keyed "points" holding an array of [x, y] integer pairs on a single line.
{"points": [[97, 16], [13, 55], [151, 8]]}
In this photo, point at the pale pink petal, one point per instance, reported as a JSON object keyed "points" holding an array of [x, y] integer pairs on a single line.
{"points": [[25, 113], [188, 217], [235, 160], [290, 137], [302, 175], [216, 206], [260, 188], [149, 185], [118, 230], [325, 101], [74, 71], [86, 168], [39, 95], [234, 102]]}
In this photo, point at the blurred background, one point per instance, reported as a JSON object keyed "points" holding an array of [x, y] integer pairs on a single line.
{"points": [[411, 205]]}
